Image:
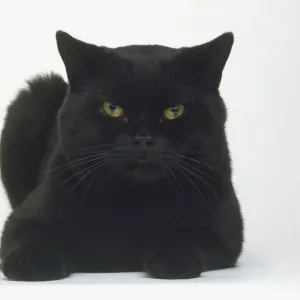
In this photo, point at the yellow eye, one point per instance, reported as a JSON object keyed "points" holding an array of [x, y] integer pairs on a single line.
{"points": [[112, 110], [174, 111]]}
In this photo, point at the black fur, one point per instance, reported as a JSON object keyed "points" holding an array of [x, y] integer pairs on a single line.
{"points": [[158, 197]]}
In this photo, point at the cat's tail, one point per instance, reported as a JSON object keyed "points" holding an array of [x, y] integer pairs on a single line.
{"points": [[27, 126]]}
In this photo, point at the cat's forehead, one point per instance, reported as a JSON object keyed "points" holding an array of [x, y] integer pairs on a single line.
{"points": [[144, 86], [140, 53], [141, 80]]}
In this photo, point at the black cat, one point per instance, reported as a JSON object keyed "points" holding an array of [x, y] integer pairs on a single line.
{"points": [[126, 168]]}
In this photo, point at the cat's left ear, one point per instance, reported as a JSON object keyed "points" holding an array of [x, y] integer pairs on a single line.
{"points": [[204, 64]]}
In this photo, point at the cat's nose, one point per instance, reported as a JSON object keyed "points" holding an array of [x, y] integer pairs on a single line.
{"points": [[143, 138]]}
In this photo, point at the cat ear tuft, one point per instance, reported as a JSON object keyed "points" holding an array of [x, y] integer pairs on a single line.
{"points": [[204, 64]]}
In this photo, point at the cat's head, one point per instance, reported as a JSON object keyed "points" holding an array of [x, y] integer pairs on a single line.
{"points": [[144, 111]]}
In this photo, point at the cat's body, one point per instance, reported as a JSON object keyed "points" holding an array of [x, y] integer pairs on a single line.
{"points": [[95, 193]]}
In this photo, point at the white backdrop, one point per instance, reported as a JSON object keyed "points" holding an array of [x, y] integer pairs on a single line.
{"points": [[260, 87]]}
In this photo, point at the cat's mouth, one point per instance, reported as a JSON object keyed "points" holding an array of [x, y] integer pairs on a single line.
{"points": [[144, 165], [142, 170]]}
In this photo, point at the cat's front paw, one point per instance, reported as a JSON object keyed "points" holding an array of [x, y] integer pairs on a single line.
{"points": [[167, 262], [34, 263]]}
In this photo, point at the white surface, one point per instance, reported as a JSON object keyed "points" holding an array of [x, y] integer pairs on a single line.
{"points": [[260, 87]]}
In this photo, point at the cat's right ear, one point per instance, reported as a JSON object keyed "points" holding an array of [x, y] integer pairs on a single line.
{"points": [[80, 58], [71, 51]]}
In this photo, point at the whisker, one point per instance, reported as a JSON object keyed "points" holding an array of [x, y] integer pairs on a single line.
{"points": [[209, 166], [200, 162], [205, 182], [171, 185], [98, 146], [196, 169], [179, 167], [79, 173], [180, 186], [109, 174], [90, 160], [88, 173], [70, 163], [95, 176]]}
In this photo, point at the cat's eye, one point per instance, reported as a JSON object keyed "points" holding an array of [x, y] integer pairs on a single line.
{"points": [[112, 110], [174, 111]]}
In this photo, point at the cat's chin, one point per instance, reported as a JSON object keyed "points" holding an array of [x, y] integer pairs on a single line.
{"points": [[143, 172]]}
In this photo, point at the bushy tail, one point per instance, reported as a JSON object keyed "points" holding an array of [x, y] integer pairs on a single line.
{"points": [[29, 121]]}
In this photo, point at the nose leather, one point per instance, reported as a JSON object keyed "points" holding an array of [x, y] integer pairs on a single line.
{"points": [[143, 138]]}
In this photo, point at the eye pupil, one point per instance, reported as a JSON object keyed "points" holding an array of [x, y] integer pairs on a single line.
{"points": [[112, 107], [174, 110]]}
